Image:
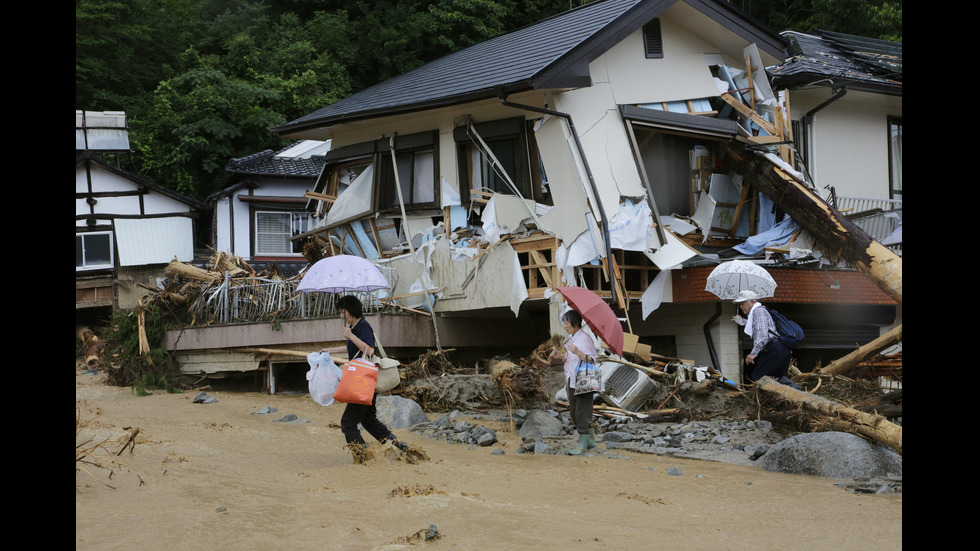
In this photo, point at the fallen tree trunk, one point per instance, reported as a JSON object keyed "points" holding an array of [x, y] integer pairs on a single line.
{"points": [[838, 416], [851, 360], [837, 235]]}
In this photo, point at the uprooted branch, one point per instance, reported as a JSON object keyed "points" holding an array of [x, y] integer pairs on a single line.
{"points": [[94, 454]]}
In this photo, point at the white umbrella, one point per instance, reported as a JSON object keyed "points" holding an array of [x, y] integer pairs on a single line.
{"points": [[343, 274], [726, 280]]}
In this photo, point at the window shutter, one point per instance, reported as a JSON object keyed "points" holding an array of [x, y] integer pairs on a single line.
{"points": [[652, 39]]}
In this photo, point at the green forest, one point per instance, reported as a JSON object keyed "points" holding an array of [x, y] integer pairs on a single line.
{"points": [[202, 81]]}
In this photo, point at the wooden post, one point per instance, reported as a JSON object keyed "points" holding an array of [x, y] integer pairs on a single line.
{"points": [[841, 365]]}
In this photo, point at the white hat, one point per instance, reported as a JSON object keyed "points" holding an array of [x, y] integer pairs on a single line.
{"points": [[745, 295]]}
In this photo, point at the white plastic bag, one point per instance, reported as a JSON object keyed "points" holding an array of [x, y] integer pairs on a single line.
{"points": [[324, 376]]}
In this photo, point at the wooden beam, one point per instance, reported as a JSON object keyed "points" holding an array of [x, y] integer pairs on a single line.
{"points": [[319, 196], [752, 115]]}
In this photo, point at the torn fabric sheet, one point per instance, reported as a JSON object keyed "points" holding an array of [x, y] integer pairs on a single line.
{"points": [[519, 288], [779, 235], [767, 213], [632, 228], [653, 296], [450, 195]]}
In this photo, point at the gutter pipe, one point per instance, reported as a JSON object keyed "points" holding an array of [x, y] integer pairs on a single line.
{"points": [[808, 117], [707, 336], [581, 151]]}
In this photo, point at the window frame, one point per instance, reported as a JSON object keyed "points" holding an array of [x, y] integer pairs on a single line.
{"points": [[528, 175], [294, 215], [111, 249], [415, 145], [893, 163]]}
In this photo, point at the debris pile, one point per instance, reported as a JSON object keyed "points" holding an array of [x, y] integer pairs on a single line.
{"points": [[691, 404]]}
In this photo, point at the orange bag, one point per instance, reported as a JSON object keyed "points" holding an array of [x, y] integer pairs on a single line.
{"points": [[357, 382]]}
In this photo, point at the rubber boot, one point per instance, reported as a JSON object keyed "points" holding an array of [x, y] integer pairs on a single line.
{"points": [[592, 443], [583, 444]]}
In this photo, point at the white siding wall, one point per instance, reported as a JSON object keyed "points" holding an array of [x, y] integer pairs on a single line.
{"points": [[849, 144], [227, 208]]}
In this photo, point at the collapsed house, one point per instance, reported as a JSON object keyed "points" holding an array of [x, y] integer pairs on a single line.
{"points": [[626, 146]]}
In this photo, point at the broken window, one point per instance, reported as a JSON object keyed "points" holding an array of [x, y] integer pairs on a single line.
{"points": [[93, 250], [273, 230], [416, 159], [498, 157], [895, 156]]}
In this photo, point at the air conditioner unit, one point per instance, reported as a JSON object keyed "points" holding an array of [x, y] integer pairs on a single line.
{"points": [[625, 387]]}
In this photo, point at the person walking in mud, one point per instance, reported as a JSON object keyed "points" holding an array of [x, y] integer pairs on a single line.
{"points": [[360, 342], [578, 348]]}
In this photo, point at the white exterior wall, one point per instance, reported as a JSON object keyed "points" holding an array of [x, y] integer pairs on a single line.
{"points": [[236, 237], [107, 182], [848, 143]]}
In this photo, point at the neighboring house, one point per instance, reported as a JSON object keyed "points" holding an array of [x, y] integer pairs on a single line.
{"points": [[127, 228], [847, 123], [594, 148], [262, 206]]}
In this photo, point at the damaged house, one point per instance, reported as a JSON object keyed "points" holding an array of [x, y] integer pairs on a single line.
{"points": [[261, 206], [626, 146], [127, 227]]}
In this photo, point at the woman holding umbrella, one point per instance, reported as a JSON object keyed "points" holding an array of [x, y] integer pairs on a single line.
{"points": [[578, 348], [360, 342]]}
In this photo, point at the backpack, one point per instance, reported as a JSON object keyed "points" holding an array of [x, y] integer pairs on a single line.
{"points": [[790, 332]]}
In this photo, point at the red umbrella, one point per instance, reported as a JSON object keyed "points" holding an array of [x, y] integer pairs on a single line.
{"points": [[600, 317]]}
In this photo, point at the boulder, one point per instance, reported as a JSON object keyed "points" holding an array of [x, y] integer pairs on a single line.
{"points": [[831, 455], [540, 423], [400, 413]]}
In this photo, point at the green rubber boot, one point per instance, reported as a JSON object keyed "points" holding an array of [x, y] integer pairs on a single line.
{"points": [[592, 443], [583, 444]]}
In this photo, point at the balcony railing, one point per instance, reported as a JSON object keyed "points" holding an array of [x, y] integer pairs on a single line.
{"points": [[243, 300], [879, 217], [854, 205]]}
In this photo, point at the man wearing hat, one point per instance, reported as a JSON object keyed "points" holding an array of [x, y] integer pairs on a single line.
{"points": [[769, 356]]}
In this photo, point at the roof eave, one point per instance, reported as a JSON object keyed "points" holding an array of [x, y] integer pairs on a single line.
{"points": [[291, 130]]}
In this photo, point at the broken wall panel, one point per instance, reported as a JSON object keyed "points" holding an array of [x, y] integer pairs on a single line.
{"points": [[604, 139], [568, 219]]}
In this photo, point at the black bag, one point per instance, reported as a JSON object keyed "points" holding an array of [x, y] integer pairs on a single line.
{"points": [[790, 332]]}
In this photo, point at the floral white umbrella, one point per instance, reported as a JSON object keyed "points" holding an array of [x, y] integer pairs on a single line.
{"points": [[343, 274], [726, 280]]}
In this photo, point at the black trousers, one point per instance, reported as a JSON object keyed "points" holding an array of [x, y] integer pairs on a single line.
{"points": [[580, 409], [366, 416], [772, 361]]}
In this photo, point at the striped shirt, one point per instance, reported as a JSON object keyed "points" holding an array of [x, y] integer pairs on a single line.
{"points": [[763, 328]]}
